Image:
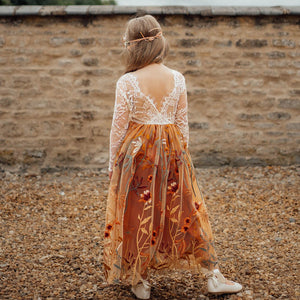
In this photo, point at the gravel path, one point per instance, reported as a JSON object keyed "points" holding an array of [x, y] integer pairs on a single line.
{"points": [[51, 235]]}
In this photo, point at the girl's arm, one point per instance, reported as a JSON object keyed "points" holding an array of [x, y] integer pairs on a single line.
{"points": [[181, 117], [119, 122]]}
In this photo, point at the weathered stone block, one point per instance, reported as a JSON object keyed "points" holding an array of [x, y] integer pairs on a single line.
{"points": [[6, 102], [57, 72], [103, 9], [90, 61], [68, 156], [71, 128], [21, 82], [289, 103], [8, 10], [34, 156], [59, 41], [187, 53], [295, 92], [293, 126], [276, 54], [296, 64], [109, 42], [52, 10], [274, 133], [194, 62], [254, 43], [51, 128], [100, 131], [284, 43], [189, 43], [31, 130], [278, 116], [2, 42], [201, 125], [193, 73], [77, 9], [116, 51], [221, 44], [2, 82], [252, 54], [86, 41], [280, 141], [99, 72], [249, 117], [28, 9], [11, 129], [84, 115], [243, 63], [75, 52], [7, 157], [263, 125]]}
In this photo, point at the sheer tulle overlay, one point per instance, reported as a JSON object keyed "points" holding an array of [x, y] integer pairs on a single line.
{"points": [[156, 215]]}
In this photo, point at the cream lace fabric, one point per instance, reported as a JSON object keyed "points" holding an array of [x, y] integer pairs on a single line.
{"points": [[131, 104]]}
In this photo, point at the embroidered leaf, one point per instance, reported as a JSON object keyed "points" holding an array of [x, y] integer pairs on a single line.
{"points": [[139, 217], [174, 220], [144, 230], [146, 220], [149, 206], [150, 227], [174, 209]]}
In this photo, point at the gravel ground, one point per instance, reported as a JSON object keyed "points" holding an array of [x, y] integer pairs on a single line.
{"points": [[51, 235]]}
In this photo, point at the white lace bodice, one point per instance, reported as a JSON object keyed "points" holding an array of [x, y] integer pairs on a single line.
{"points": [[131, 104]]}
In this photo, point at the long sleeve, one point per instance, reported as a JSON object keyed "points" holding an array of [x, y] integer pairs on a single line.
{"points": [[181, 117], [119, 122]]}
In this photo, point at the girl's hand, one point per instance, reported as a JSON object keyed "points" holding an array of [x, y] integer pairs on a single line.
{"points": [[110, 174]]}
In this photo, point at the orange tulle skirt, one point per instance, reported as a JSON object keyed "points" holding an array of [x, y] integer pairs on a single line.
{"points": [[156, 216]]}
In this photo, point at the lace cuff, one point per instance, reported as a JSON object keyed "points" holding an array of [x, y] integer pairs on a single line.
{"points": [[119, 122], [181, 117]]}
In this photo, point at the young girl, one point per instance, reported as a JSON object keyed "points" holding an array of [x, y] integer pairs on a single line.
{"points": [[156, 216]]}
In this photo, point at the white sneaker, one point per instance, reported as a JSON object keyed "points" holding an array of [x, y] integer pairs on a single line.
{"points": [[141, 290], [218, 284]]}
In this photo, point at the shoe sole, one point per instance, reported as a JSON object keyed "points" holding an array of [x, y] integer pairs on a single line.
{"points": [[220, 293]]}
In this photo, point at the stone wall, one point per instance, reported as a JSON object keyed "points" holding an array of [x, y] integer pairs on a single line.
{"points": [[58, 75]]}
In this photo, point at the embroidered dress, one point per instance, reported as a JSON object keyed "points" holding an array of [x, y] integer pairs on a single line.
{"points": [[156, 216]]}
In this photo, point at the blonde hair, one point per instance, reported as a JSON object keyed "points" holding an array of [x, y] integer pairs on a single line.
{"points": [[144, 43]]}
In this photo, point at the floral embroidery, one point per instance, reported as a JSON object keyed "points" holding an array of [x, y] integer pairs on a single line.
{"points": [[167, 150], [145, 197], [137, 145], [150, 177], [197, 205], [184, 228], [109, 226], [173, 187], [187, 220]]}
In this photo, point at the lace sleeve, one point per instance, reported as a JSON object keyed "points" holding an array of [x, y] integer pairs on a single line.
{"points": [[119, 122], [181, 117]]}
